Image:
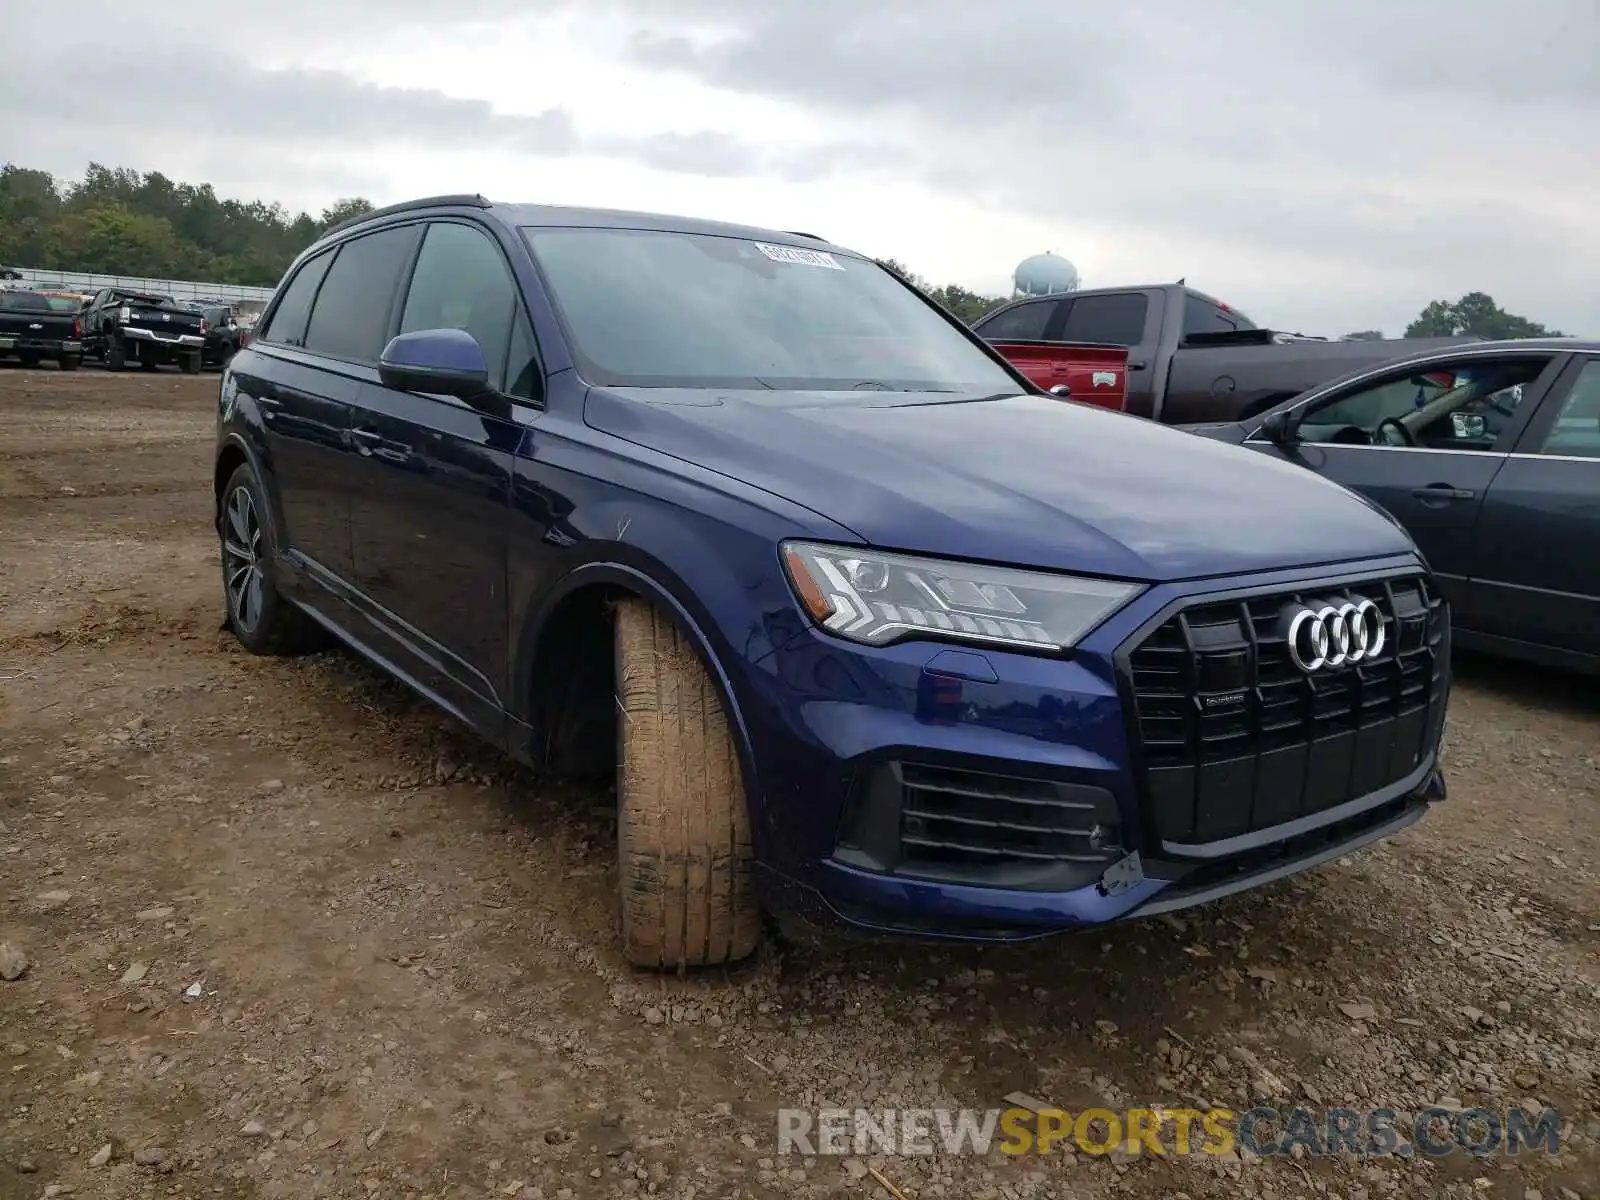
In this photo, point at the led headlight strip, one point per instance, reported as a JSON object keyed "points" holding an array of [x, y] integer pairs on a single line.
{"points": [[877, 598]]}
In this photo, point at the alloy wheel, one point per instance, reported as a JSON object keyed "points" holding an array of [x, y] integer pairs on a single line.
{"points": [[241, 559]]}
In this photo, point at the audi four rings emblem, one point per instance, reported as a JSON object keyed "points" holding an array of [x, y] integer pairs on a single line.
{"points": [[1322, 636]]}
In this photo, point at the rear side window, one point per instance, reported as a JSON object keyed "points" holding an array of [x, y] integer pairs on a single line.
{"points": [[1117, 319], [1200, 316], [351, 315], [288, 322], [1025, 322], [462, 282]]}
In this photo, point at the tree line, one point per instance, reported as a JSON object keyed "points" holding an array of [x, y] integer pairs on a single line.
{"points": [[117, 221]]}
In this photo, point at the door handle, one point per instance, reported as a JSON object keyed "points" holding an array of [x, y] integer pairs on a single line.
{"points": [[370, 437], [1442, 491], [1137, 364]]}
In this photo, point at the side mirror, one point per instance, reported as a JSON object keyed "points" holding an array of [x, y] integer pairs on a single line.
{"points": [[1469, 427], [445, 362], [1278, 427], [1061, 390]]}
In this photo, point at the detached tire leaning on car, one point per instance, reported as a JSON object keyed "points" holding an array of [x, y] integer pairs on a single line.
{"points": [[189, 364], [70, 362], [116, 355], [262, 620], [683, 826]]}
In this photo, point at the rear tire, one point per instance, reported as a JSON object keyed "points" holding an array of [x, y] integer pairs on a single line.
{"points": [[262, 620], [30, 361], [683, 825], [70, 362]]}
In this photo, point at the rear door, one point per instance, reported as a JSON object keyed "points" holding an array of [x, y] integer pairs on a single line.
{"points": [[305, 419], [1538, 569], [1434, 487], [430, 515]]}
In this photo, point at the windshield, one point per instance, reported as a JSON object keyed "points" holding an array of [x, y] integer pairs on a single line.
{"points": [[649, 308]]}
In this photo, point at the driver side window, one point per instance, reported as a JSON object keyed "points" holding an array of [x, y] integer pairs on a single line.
{"points": [[1450, 406], [1363, 410]]}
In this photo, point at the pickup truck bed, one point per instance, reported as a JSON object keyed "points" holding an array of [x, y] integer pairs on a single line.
{"points": [[33, 331], [1191, 358]]}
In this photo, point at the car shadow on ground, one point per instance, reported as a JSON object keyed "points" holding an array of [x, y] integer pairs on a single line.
{"points": [[1546, 689]]}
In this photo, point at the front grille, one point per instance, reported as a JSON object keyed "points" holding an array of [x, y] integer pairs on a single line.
{"points": [[934, 822], [1233, 737]]}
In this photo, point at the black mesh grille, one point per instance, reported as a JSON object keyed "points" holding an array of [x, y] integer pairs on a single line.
{"points": [[926, 821], [1234, 737], [970, 817]]}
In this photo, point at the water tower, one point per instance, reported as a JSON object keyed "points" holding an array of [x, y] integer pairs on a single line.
{"points": [[1044, 275]]}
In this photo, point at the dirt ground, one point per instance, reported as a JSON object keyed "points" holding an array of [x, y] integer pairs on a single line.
{"points": [[290, 933]]}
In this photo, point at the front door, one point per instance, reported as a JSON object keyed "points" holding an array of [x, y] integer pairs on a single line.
{"points": [[1424, 447], [1538, 570], [431, 512]]}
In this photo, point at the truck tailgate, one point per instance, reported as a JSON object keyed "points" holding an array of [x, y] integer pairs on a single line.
{"points": [[162, 321], [1094, 374], [27, 322]]}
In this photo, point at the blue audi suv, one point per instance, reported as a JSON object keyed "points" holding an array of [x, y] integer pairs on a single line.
{"points": [[874, 635]]}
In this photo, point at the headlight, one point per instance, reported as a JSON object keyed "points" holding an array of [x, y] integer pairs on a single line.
{"points": [[876, 598]]}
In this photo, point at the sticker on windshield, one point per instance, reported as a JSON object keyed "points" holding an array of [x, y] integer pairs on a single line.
{"points": [[798, 257]]}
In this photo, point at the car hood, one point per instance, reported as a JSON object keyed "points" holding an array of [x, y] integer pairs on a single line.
{"points": [[1025, 480]]}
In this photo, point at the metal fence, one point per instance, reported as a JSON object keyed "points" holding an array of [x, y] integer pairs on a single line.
{"points": [[178, 289]]}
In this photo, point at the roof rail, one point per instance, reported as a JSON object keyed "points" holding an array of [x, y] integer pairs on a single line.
{"points": [[812, 236], [459, 200]]}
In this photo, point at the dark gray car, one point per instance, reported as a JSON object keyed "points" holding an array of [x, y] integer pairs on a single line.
{"points": [[1489, 455]]}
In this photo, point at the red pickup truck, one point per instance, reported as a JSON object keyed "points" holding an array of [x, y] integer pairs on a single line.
{"points": [[1088, 374], [1188, 358]]}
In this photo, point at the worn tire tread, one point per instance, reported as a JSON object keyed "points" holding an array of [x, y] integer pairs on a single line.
{"points": [[683, 829]]}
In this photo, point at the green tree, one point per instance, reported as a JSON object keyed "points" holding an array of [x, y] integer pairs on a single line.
{"points": [[343, 210], [966, 306], [1475, 314], [118, 221]]}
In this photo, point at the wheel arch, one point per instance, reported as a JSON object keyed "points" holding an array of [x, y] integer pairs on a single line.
{"points": [[233, 453], [570, 613]]}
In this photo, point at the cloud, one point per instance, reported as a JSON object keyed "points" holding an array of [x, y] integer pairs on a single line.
{"points": [[1329, 164], [270, 110], [1415, 146]]}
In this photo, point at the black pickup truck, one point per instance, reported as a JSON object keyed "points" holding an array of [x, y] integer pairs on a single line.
{"points": [[1191, 358], [33, 329], [122, 327], [224, 335]]}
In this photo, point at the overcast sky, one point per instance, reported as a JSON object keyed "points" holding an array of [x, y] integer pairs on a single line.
{"points": [[1324, 167]]}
